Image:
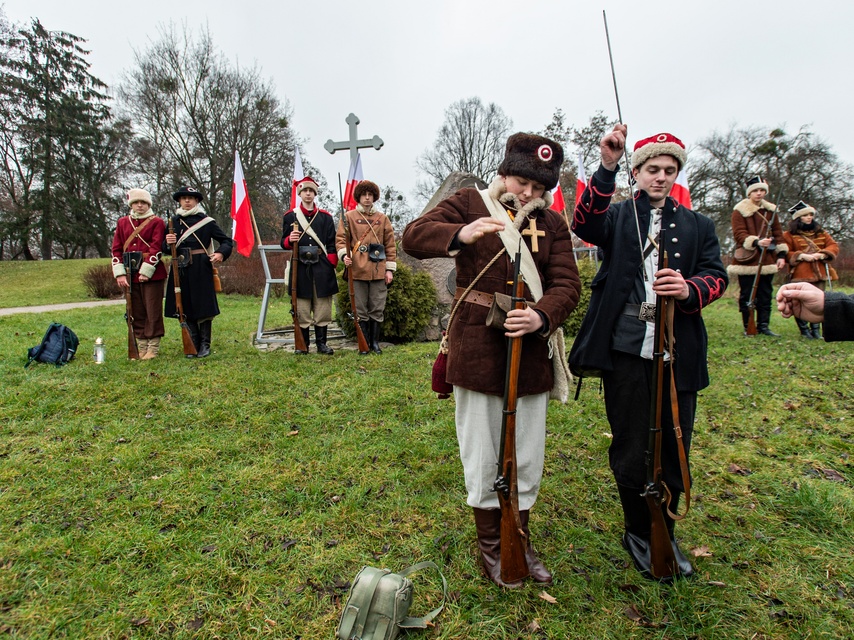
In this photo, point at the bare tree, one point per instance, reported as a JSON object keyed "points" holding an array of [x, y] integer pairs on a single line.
{"points": [[471, 139], [192, 109], [799, 167]]}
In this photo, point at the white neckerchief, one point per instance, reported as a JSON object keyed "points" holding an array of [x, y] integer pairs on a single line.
{"points": [[182, 213], [141, 216]]}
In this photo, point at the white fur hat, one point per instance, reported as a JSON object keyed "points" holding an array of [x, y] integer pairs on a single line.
{"points": [[756, 182], [137, 195]]}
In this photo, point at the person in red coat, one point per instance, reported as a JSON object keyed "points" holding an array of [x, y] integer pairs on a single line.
{"points": [[140, 235]]}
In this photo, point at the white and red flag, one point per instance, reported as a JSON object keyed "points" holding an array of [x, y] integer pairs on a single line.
{"points": [[298, 175], [581, 179], [559, 204], [680, 191], [353, 178], [241, 211]]}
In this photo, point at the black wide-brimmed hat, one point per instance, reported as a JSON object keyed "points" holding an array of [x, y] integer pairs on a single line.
{"points": [[184, 190]]}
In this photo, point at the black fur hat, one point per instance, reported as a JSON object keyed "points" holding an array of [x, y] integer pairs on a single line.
{"points": [[533, 157], [366, 186], [187, 191]]}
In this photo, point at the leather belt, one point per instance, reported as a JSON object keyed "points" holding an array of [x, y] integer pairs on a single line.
{"points": [[196, 252], [644, 312], [474, 297]]}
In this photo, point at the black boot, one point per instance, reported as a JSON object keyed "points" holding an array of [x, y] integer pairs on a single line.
{"points": [[636, 536], [204, 338], [374, 340], [685, 568], [763, 318], [320, 341], [193, 330], [804, 328], [363, 325], [816, 330], [306, 338], [488, 525], [539, 573]]}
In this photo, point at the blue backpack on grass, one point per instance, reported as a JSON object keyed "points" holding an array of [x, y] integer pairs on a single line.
{"points": [[58, 346]]}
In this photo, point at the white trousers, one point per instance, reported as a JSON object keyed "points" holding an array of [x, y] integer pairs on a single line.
{"points": [[478, 418]]}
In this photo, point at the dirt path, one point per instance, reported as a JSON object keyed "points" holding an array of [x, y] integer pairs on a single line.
{"points": [[59, 307]]}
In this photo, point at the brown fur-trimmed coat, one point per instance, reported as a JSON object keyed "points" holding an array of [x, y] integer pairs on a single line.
{"points": [[801, 242], [478, 353], [749, 225], [375, 228]]}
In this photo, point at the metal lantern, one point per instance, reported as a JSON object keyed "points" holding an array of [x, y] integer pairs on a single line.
{"points": [[100, 353]]}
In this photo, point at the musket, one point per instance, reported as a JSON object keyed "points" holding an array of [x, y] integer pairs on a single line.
{"points": [[133, 347], [514, 566], [354, 315], [751, 304], [299, 339], [662, 558], [186, 338], [829, 281]]}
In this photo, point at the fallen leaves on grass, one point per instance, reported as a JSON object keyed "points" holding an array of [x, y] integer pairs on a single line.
{"points": [[701, 552], [633, 614], [741, 471], [548, 598]]}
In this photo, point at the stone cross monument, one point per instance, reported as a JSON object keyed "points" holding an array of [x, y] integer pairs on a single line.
{"points": [[353, 144]]}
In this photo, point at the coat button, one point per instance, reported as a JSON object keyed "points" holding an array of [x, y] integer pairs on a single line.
{"points": [[675, 240], [677, 255], [672, 225]]}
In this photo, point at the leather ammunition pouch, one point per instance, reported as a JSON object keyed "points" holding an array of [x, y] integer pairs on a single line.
{"points": [[184, 257], [497, 316], [309, 255], [376, 252], [132, 260]]}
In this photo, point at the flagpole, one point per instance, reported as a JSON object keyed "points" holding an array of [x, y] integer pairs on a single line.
{"points": [[255, 225]]}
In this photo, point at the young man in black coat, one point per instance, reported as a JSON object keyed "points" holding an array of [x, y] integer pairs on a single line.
{"points": [[616, 338]]}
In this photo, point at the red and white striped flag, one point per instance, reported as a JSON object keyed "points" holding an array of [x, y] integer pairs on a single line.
{"points": [[353, 178], [241, 211], [298, 175], [559, 204], [680, 191], [581, 179]]}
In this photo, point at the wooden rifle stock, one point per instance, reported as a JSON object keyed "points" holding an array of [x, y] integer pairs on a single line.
{"points": [[186, 338], [514, 566], [133, 347], [661, 556], [299, 339], [360, 336]]}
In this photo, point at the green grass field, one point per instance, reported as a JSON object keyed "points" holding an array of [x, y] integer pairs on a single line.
{"points": [[237, 496]]}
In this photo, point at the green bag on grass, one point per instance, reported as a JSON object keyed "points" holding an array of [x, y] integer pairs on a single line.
{"points": [[379, 601]]}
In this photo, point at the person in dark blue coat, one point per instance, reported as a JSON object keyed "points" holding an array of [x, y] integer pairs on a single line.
{"points": [[616, 336]]}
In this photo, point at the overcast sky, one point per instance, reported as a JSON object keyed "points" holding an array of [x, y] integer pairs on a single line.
{"points": [[399, 64]]}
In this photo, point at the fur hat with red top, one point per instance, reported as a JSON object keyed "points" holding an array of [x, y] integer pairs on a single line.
{"points": [[533, 157], [307, 183], [139, 195], [366, 186], [661, 144]]}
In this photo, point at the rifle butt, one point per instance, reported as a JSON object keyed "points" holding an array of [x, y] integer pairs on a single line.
{"points": [[514, 566], [187, 339], [662, 560], [751, 323]]}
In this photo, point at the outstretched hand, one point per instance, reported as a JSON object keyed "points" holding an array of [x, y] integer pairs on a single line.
{"points": [[802, 300]]}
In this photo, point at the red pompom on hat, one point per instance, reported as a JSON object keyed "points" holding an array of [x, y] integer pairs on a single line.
{"points": [[307, 183], [661, 144]]}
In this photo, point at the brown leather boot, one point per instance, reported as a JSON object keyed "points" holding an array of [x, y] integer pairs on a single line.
{"points": [[488, 525], [539, 573]]}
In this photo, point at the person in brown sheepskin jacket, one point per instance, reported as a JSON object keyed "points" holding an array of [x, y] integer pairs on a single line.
{"points": [[373, 258], [481, 230]]}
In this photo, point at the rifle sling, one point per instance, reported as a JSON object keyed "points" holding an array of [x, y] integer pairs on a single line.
{"points": [[136, 232], [669, 310]]}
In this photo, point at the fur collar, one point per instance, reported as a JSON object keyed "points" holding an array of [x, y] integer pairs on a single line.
{"points": [[367, 212], [746, 207], [498, 191]]}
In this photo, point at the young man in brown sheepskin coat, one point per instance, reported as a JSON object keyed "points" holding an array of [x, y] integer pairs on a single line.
{"points": [[481, 231], [754, 226]]}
